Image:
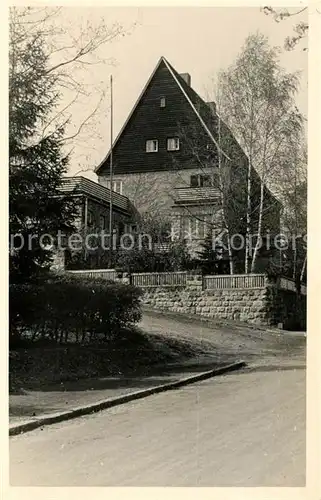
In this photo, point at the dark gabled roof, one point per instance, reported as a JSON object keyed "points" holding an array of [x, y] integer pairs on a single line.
{"points": [[208, 115], [200, 108], [192, 95]]}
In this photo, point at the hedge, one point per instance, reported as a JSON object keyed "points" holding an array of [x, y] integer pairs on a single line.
{"points": [[68, 308]]}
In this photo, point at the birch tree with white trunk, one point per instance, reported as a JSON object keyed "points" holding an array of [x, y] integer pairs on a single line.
{"points": [[258, 104]]}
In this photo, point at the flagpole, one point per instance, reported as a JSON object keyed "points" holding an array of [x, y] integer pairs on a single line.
{"points": [[111, 173]]}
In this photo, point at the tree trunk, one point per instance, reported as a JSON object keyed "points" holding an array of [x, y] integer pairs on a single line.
{"points": [[303, 268], [248, 218], [294, 261], [222, 191], [259, 229]]}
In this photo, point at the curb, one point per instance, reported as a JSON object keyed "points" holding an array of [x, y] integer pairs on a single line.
{"points": [[109, 403]]}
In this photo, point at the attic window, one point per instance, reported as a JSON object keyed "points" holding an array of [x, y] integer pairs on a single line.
{"points": [[162, 102], [173, 144], [152, 146]]}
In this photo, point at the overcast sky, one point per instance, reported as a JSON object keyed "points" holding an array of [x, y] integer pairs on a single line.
{"points": [[197, 40]]}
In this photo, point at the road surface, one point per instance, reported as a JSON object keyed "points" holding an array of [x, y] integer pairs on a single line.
{"points": [[249, 344], [241, 429]]}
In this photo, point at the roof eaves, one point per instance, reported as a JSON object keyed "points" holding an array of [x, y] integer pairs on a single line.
{"points": [[176, 78], [162, 59]]}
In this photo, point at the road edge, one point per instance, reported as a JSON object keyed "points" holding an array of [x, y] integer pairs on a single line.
{"points": [[31, 425]]}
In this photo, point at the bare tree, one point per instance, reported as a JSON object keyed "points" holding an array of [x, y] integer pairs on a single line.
{"points": [[221, 211], [292, 190], [258, 104], [300, 28], [72, 52]]}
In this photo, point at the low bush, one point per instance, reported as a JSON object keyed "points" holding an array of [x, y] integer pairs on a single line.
{"points": [[71, 309], [176, 258]]}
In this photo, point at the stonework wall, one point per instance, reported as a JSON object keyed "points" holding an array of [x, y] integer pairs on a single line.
{"points": [[262, 306], [247, 305], [287, 308]]}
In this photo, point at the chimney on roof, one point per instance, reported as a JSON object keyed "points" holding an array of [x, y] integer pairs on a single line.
{"points": [[212, 106], [186, 77]]}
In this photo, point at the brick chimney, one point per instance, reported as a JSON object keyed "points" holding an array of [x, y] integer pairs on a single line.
{"points": [[212, 106], [186, 77]]}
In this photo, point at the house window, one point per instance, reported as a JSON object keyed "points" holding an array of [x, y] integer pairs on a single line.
{"points": [[133, 228], [130, 228], [152, 146], [194, 228], [194, 181], [208, 225], [201, 227], [205, 180], [201, 180], [173, 144], [185, 227], [90, 218], [121, 228], [117, 186], [103, 222], [162, 102]]}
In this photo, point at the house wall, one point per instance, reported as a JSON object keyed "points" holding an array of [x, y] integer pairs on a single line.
{"points": [[199, 215], [153, 191]]}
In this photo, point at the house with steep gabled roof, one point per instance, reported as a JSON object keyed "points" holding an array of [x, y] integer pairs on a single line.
{"points": [[167, 155]]}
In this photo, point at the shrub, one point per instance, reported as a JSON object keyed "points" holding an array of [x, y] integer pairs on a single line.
{"points": [[176, 258], [64, 308]]}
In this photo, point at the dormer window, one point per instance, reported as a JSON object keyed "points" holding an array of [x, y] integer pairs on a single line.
{"points": [[162, 102], [152, 146], [173, 144]]}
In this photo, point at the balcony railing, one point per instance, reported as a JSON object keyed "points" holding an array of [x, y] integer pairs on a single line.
{"points": [[190, 195]]}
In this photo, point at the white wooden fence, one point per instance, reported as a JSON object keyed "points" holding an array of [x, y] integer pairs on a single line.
{"points": [[159, 279], [219, 282], [181, 278], [107, 274]]}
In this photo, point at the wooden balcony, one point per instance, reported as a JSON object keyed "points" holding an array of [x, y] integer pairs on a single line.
{"points": [[83, 186], [196, 195]]}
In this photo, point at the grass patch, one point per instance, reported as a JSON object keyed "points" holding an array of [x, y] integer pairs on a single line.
{"points": [[132, 353]]}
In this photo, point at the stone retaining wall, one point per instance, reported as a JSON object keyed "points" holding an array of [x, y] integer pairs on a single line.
{"points": [[263, 306]]}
